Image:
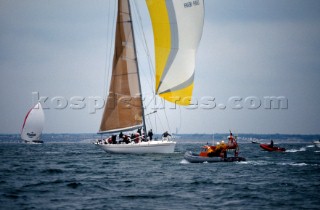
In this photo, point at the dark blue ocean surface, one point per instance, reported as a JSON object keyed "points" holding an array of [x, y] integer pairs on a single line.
{"points": [[72, 175]]}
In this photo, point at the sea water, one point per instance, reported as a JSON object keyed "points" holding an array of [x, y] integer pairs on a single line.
{"points": [[79, 175]]}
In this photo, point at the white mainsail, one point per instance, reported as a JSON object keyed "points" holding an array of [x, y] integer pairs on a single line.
{"points": [[33, 124]]}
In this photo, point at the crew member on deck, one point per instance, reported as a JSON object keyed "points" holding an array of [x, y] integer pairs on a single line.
{"points": [[139, 131], [166, 134], [114, 139], [150, 134]]}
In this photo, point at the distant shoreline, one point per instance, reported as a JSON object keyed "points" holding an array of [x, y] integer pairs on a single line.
{"points": [[181, 138]]}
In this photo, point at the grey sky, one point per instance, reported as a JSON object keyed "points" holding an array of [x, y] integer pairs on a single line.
{"points": [[249, 48]]}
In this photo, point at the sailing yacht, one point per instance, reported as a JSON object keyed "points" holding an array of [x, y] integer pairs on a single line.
{"points": [[33, 125], [177, 28]]}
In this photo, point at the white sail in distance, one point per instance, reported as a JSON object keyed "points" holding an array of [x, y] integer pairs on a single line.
{"points": [[33, 124]]}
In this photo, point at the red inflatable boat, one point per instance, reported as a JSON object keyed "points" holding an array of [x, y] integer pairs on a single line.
{"points": [[271, 149]]}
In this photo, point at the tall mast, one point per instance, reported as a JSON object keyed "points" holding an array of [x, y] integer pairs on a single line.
{"points": [[138, 72]]}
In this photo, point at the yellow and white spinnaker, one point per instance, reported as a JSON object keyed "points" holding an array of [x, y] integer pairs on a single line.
{"points": [[177, 28]]}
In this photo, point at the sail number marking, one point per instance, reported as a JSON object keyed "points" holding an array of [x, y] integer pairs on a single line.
{"points": [[191, 4]]}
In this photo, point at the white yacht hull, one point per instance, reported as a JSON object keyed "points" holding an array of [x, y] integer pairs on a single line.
{"points": [[140, 148], [33, 142]]}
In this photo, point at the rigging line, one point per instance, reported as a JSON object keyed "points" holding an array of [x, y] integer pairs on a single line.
{"points": [[150, 121], [145, 46], [107, 56], [155, 122], [138, 30], [142, 29], [148, 102], [111, 22], [160, 121], [105, 78], [152, 99], [165, 113], [180, 117]]}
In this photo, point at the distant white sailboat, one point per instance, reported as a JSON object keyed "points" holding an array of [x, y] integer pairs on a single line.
{"points": [[33, 125], [177, 28]]}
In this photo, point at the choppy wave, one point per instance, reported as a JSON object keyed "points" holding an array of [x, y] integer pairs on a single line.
{"points": [[302, 149], [256, 162], [183, 161], [293, 164], [82, 176], [52, 171]]}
